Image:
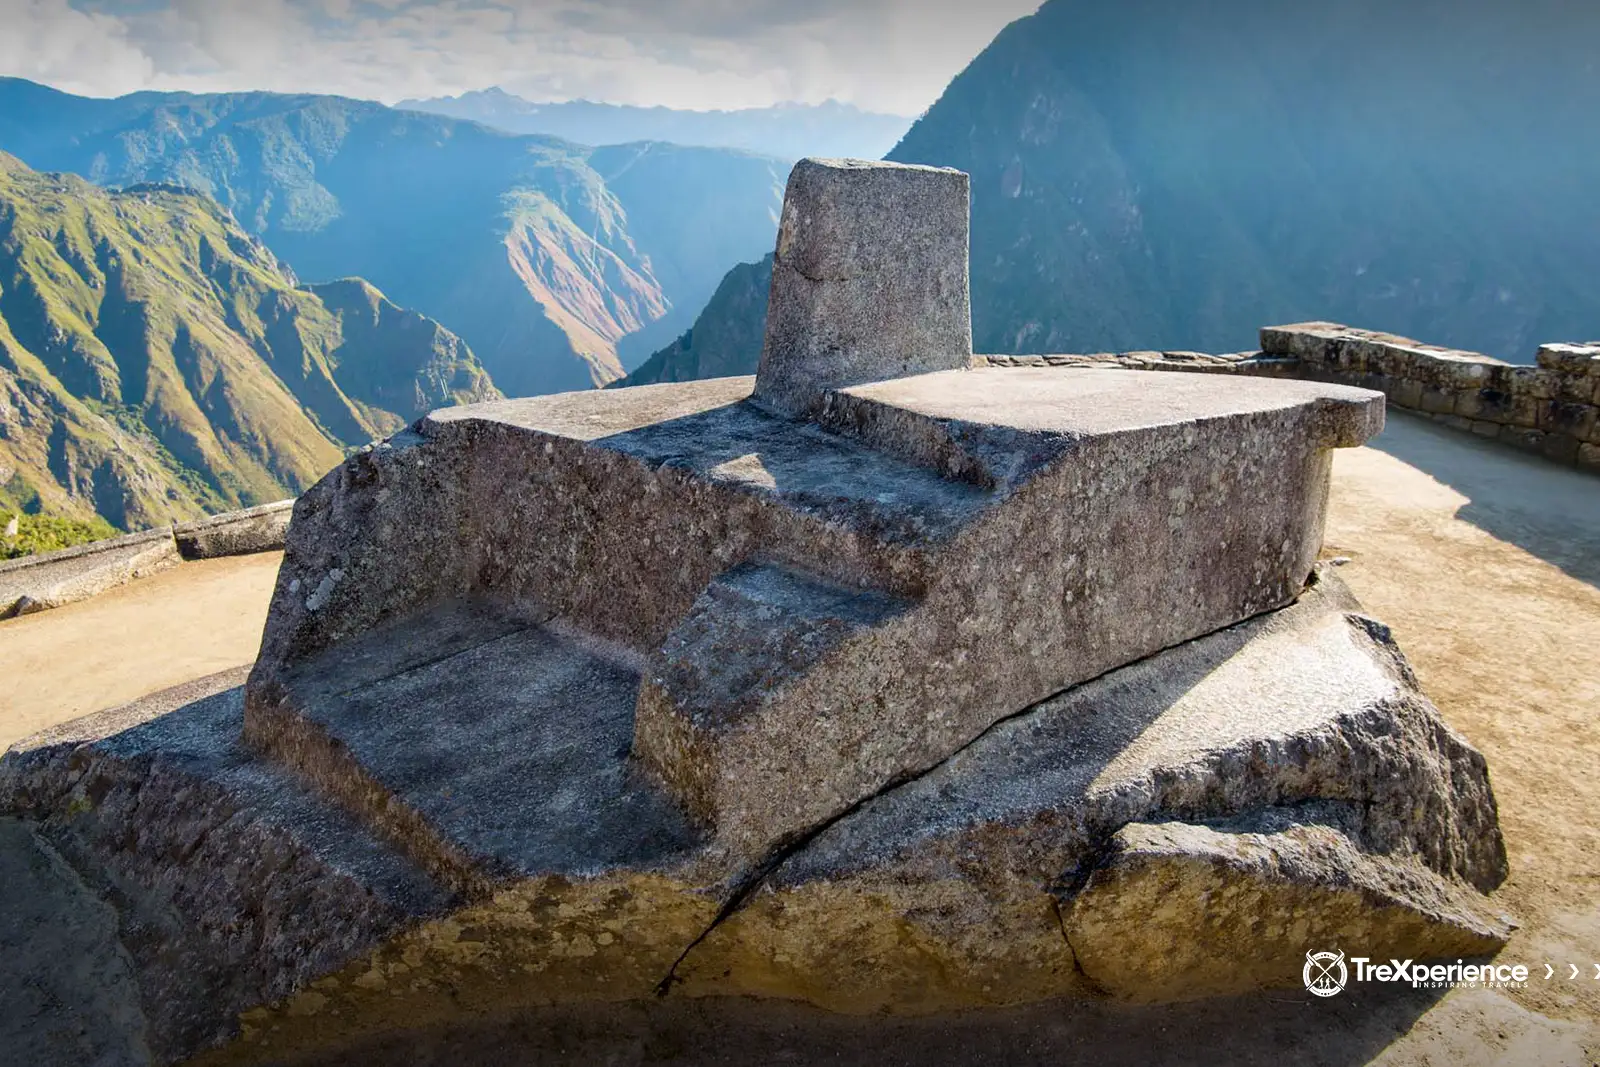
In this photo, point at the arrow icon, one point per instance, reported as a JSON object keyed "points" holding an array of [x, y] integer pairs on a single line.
{"points": [[1548, 971], [1574, 973], [1597, 972]]}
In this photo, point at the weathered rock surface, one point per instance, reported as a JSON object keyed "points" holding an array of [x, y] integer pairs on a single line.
{"points": [[954, 688], [234, 885], [1167, 913], [869, 279], [52, 579], [1054, 855], [1286, 766], [1172, 507]]}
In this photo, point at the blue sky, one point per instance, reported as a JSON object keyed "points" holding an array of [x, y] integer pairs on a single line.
{"points": [[887, 55]]}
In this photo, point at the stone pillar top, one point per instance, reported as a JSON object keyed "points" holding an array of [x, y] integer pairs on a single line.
{"points": [[869, 280]]}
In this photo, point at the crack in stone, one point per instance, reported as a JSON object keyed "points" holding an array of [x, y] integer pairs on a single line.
{"points": [[746, 886], [1077, 964]]}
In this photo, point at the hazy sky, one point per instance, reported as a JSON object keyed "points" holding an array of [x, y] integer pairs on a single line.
{"points": [[887, 55]]}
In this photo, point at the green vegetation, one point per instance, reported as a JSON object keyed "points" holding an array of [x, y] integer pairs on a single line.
{"points": [[157, 363], [46, 533], [544, 256]]}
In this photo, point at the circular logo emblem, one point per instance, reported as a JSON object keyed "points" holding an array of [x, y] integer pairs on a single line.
{"points": [[1324, 973]]}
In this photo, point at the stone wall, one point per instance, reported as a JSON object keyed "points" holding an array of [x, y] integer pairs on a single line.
{"points": [[1552, 408], [52, 579]]}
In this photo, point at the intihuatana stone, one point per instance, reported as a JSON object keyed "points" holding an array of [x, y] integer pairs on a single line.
{"points": [[869, 279], [890, 617], [880, 681]]}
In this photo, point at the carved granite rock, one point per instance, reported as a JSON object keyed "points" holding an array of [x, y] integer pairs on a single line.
{"points": [[861, 293], [902, 610], [1055, 854], [884, 682], [235, 885]]}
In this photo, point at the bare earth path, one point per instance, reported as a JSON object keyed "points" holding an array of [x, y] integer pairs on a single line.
{"points": [[193, 620], [1487, 565]]}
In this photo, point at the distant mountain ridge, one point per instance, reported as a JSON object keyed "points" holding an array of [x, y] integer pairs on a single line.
{"points": [[158, 363], [787, 131], [1159, 174], [557, 263]]}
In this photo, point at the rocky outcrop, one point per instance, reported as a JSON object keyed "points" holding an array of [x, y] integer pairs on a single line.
{"points": [[1188, 825], [1157, 833], [232, 883], [966, 688]]}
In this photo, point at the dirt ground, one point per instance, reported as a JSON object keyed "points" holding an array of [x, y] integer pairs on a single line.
{"points": [[1487, 565], [193, 620]]}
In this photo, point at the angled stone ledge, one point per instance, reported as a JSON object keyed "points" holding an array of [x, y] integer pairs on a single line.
{"points": [[1186, 826], [1165, 914]]}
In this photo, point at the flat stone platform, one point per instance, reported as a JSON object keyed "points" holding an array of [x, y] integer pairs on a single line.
{"points": [[522, 767], [1173, 507]]}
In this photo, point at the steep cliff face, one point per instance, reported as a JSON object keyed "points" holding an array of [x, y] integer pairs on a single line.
{"points": [[545, 256], [725, 339], [156, 362], [1156, 173], [1160, 174]]}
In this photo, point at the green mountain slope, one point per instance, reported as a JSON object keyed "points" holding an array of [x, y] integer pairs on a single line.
{"points": [[1161, 174], [543, 255], [158, 363]]}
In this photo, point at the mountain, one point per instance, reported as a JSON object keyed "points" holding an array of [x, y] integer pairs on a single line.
{"points": [[787, 131], [543, 255], [158, 363], [725, 339], [1160, 174]]}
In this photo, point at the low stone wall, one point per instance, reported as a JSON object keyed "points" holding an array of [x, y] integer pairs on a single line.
{"points": [[52, 579], [235, 533], [1552, 408]]}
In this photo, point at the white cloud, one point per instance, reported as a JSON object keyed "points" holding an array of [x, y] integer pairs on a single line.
{"points": [[891, 55], [52, 42]]}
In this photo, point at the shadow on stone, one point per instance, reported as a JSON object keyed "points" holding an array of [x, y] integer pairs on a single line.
{"points": [[1350, 1029]]}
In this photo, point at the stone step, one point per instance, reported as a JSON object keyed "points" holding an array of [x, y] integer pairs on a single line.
{"points": [[729, 475], [233, 883], [488, 747], [758, 636]]}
